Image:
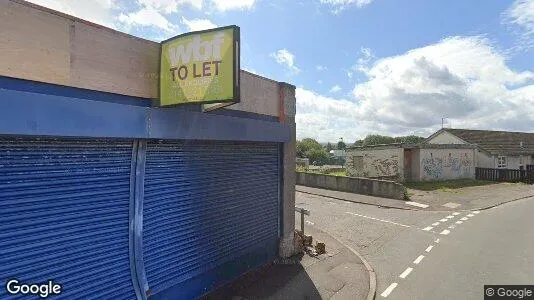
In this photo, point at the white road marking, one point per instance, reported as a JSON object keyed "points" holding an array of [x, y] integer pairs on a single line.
{"points": [[450, 217], [470, 215], [436, 241], [444, 220], [459, 222], [390, 288], [310, 222], [476, 212], [435, 224], [445, 232], [418, 259], [416, 204], [428, 228], [385, 221], [452, 205], [406, 273], [464, 219], [455, 214], [429, 248]]}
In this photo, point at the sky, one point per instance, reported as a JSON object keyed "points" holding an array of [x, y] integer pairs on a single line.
{"points": [[391, 67]]}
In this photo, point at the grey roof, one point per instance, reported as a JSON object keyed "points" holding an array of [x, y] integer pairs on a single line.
{"points": [[497, 142], [411, 146]]}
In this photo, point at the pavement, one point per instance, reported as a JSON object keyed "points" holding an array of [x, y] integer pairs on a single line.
{"points": [[391, 249], [474, 197], [422, 254], [468, 198], [340, 273]]}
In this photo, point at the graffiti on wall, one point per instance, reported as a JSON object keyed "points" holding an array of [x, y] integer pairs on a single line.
{"points": [[374, 164], [433, 167], [385, 166], [451, 166]]}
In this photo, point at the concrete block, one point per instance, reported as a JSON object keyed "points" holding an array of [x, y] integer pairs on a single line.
{"points": [[364, 186]]}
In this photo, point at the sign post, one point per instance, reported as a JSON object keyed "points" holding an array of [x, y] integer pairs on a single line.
{"points": [[201, 67]]}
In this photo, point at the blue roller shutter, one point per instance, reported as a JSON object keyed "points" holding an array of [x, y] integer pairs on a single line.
{"points": [[211, 212], [64, 215]]}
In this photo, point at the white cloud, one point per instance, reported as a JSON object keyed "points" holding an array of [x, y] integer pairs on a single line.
{"points": [[148, 16], [320, 68], [319, 81], [366, 55], [97, 11], [335, 89], [170, 6], [287, 59], [198, 24], [462, 78], [224, 5], [339, 5], [521, 15]]}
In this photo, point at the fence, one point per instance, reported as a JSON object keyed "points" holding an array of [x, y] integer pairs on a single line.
{"points": [[506, 175]]}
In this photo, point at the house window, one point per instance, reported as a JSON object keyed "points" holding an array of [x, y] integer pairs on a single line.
{"points": [[501, 162]]}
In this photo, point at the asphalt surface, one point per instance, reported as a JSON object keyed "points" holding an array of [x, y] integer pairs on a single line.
{"points": [[414, 261]]}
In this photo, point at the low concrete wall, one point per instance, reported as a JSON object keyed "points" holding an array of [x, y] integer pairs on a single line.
{"points": [[364, 186]]}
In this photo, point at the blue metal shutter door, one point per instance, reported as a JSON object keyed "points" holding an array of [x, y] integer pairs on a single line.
{"points": [[64, 215], [211, 212]]}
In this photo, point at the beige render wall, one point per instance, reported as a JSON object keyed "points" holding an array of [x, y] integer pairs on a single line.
{"points": [[445, 138], [484, 160], [44, 45], [513, 162], [376, 163], [259, 95], [445, 164]]}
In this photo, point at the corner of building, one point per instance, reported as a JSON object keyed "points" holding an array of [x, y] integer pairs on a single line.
{"points": [[287, 116]]}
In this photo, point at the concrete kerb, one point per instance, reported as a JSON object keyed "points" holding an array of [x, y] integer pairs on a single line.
{"points": [[418, 209], [372, 275], [495, 205], [359, 202]]}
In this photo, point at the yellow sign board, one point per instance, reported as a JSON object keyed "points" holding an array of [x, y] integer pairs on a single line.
{"points": [[200, 67]]}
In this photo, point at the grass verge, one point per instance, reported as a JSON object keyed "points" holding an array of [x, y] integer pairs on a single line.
{"points": [[446, 185]]}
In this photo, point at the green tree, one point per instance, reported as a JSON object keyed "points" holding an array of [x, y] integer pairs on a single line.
{"points": [[329, 147], [376, 139], [317, 156], [358, 143], [341, 145], [410, 139], [305, 145]]}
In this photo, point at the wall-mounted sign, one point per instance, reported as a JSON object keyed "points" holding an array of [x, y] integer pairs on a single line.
{"points": [[200, 67]]}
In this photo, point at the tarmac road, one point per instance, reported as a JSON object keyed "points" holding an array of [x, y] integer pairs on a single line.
{"points": [[433, 255]]}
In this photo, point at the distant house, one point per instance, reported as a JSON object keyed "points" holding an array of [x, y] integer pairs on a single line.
{"points": [[338, 153], [494, 149], [412, 162]]}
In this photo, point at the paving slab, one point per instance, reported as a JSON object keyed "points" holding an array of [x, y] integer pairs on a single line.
{"points": [[338, 274], [467, 198]]}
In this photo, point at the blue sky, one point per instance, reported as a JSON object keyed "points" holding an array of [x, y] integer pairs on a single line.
{"points": [[363, 67]]}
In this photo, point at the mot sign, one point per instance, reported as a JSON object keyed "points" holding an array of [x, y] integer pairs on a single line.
{"points": [[200, 67]]}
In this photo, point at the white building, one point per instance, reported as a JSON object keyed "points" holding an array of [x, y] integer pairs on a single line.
{"points": [[494, 149], [408, 162], [338, 153]]}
